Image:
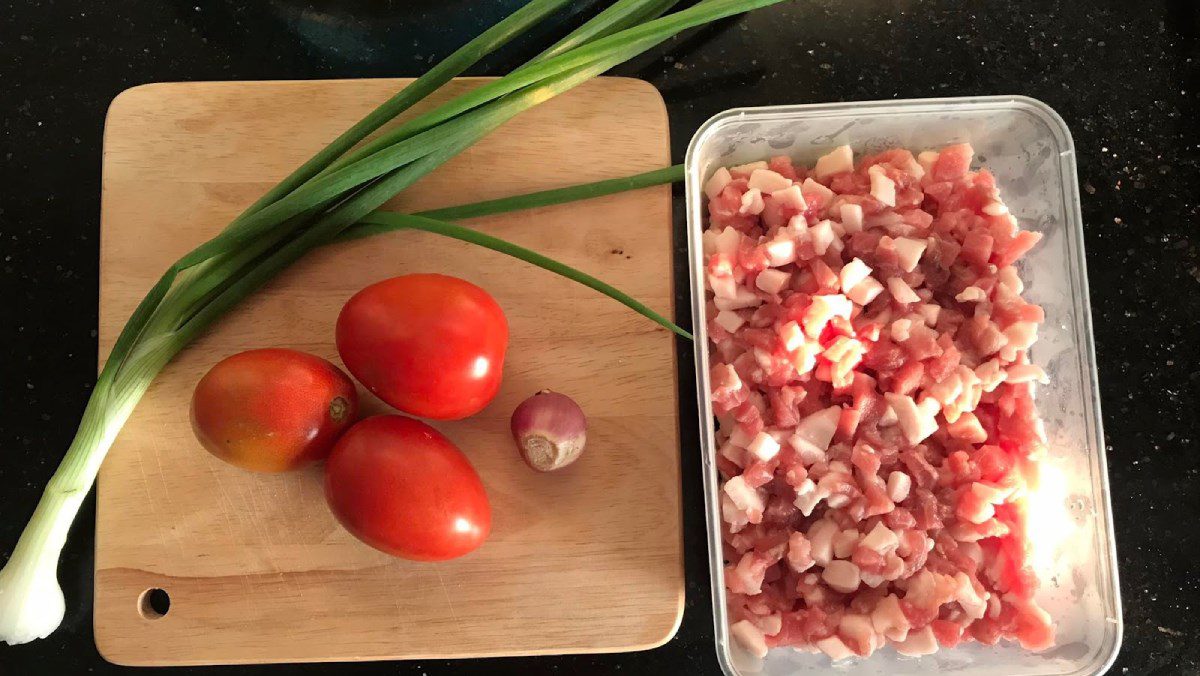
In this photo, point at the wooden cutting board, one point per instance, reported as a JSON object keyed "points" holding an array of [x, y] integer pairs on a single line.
{"points": [[585, 560]]}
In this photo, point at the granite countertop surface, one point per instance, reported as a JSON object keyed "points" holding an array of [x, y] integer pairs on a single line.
{"points": [[1123, 75]]}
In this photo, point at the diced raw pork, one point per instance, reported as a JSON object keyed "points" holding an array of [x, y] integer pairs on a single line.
{"points": [[856, 632], [791, 198], [730, 320], [767, 181], [820, 537], [882, 187], [865, 291], [752, 203], [821, 236], [747, 499], [917, 643], [807, 497], [720, 178], [824, 308], [901, 291], [889, 620], [746, 170], [852, 273], [880, 539], [814, 432], [898, 486], [780, 251], [799, 554], [852, 218], [772, 281], [749, 637], [908, 252], [917, 422], [1024, 373], [816, 194], [841, 576], [763, 446], [834, 648], [872, 446], [836, 161]]}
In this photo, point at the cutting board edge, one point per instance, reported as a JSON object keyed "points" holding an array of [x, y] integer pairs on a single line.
{"points": [[119, 660], [121, 98]]}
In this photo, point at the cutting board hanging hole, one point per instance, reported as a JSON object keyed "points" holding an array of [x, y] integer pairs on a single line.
{"points": [[154, 603]]}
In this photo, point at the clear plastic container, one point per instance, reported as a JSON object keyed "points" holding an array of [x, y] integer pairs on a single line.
{"points": [[1029, 149]]}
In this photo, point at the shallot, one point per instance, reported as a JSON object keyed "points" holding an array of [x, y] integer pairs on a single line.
{"points": [[550, 430]]}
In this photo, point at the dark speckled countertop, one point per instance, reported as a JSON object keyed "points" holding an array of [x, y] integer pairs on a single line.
{"points": [[1123, 74]]}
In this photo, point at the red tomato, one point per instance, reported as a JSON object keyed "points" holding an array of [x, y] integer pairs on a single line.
{"points": [[400, 486], [429, 345], [272, 410]]}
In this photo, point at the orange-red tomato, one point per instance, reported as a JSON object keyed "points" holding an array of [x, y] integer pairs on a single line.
{"points": [[272, 410], [427, 344], [400, 486]]}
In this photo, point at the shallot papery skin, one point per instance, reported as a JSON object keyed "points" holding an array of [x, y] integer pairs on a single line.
{"points": [[550, 430], [874, 397]]}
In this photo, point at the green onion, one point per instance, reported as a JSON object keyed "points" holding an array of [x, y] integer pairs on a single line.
{"points": [[442, 125], [463, 58], [371, 226], [621, 15], [319, 203]]}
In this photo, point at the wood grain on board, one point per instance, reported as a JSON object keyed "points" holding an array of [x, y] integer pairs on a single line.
{"points": [[585, 560]]}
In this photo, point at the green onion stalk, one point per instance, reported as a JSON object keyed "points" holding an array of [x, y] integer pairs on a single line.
{"points": [[335, 197]]}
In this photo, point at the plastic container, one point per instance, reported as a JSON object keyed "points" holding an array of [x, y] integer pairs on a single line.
{"points": [[1029, 149]]}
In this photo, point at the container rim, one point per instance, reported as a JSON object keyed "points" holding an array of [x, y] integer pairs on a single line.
{"points": [[1048, 115], [1057, 127]]}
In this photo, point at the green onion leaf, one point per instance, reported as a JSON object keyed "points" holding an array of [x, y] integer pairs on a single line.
{"points": [[368, 226], [394, 221]]}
